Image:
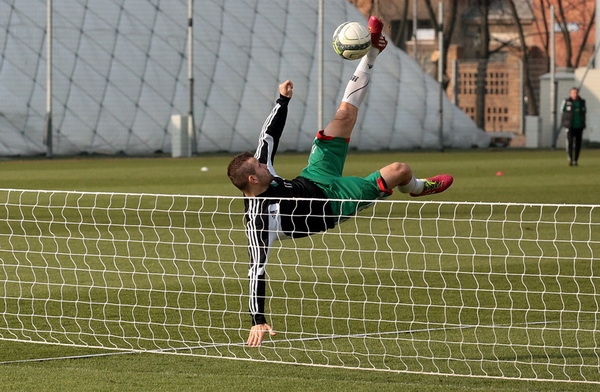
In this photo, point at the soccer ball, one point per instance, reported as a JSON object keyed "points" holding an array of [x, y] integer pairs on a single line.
{"points": [[351, 40]]}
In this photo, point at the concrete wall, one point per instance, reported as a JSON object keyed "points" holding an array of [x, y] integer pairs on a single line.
{"points": [[590, 91], [588, 80], [564, 82]]}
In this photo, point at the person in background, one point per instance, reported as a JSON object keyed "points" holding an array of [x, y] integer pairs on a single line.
{"points": [[573, 119]]}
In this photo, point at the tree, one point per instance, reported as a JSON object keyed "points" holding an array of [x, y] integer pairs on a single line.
{"points": [[450, 15], [401, 37], [532, 107], [483, 54], [574, 20], [398, 11]]}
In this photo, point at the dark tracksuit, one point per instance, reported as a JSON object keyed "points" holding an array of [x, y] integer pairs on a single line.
{"points": [[574, 120], [289, 208]]}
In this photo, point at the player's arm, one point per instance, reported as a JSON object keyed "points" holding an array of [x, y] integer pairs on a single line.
{"points": [[273, 126], [259, 243], [260, 327]]}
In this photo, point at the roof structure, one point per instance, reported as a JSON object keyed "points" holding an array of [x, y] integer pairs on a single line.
{"points": [[120, 73]]}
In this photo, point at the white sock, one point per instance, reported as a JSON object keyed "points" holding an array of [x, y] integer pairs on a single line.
{"points": [[371, 56], [415, 185], [356, 89]]}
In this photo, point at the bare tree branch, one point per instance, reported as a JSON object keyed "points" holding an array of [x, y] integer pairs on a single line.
{"points": [[586, 35], [529, 91]]}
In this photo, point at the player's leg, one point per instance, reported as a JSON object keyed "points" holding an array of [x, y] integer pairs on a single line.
{"points": [[396, 174], [399, 175], [351, 194], [356, 90], [578, 139], [570, 141]]}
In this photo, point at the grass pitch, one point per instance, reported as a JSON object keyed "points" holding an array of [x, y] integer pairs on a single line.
{"points": [[526, 177]]}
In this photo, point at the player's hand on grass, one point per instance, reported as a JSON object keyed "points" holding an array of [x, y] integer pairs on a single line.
{"points": [[257, 334]]}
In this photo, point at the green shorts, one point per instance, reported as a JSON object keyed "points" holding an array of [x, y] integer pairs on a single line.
{"points": [[325, 166]]}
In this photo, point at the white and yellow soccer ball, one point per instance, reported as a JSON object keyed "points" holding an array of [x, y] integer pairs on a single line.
{"points": [[351, 40]]}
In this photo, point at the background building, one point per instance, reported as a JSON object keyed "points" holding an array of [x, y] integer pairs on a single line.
{"points": [[496, 52]]}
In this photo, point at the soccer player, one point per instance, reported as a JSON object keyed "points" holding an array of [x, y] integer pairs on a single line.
{"points": [[272, 204]]}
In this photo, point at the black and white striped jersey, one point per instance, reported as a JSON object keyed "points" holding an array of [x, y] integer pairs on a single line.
{"points": [[288, 208]]}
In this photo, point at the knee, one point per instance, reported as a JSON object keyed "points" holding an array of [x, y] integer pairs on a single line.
{"points": [[345, 115], [403, 171], [397, 173]]}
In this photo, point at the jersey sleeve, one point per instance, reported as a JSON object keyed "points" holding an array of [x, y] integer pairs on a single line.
{"points": [[261, 223], [271, 133], [260, 240]]}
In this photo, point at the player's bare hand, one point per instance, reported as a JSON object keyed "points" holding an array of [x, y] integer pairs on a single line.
{"points": [[257, 334], [286, 88]]}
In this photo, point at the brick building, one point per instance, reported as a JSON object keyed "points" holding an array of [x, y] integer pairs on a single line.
{"points": [[508, 74]]}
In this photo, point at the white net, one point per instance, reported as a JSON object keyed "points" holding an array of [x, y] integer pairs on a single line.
{"points": [[120, 73], [474, 289]]}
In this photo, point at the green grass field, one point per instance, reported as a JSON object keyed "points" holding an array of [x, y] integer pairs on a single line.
{"points": [[528, 177]]}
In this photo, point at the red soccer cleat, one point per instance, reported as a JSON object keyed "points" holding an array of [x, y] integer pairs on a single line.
{"points": [[375, 25], [435, 184], [375, 28]]}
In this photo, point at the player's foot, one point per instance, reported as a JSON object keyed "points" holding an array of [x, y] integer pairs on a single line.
{"points": [[435, 184], [375, 28], [375, 25]]}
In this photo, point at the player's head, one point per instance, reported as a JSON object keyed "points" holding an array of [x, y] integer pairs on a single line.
{"points": [[574, 93], [246, 173], [239, 170]]}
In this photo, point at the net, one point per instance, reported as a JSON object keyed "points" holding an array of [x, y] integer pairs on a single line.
{"points": [[475, 289]]}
